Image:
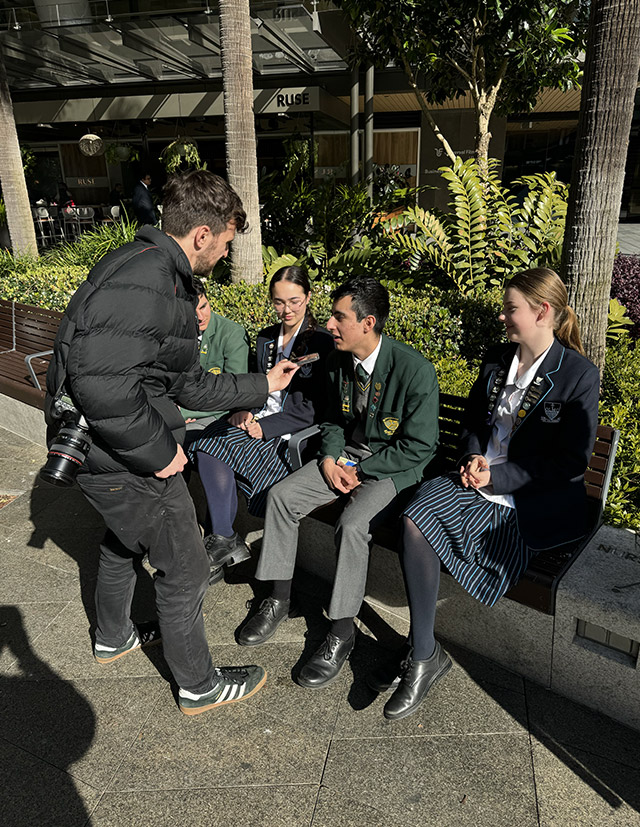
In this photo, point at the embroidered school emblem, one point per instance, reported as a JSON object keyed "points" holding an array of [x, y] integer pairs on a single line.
{"points": [[215, 371], [390, 425], [552, 410]]}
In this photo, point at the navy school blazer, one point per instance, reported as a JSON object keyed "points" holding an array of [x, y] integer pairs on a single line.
{"points": [[303, 401], [549, 448]]}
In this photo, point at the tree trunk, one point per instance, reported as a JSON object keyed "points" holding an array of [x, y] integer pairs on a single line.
{"points": [[14, 187], [242, 163], [606, 110]]}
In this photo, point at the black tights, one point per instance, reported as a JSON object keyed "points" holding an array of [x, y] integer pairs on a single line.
{"points": [[421, 569]]}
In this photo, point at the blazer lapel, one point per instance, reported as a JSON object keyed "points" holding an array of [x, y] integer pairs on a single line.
{"points": [[542, 383]]}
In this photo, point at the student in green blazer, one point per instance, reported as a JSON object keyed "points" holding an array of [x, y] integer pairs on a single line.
{"points": [[224, 348], [379, 431]]}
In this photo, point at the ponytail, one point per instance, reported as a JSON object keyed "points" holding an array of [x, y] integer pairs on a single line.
{"points": [[544, 285], [568, 329]]}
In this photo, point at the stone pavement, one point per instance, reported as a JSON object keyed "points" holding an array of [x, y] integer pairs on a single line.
{"points": [[629, 239], [84, 744]]}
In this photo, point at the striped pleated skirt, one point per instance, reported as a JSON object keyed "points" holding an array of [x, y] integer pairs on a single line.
{"points": [[477, 540], [257, 465]]}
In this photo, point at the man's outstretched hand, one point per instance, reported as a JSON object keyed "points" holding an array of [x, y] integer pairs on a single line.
{"points": [[280, 375]]}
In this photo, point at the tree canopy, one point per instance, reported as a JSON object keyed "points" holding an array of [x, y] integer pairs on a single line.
{"points": [[502, 52]]}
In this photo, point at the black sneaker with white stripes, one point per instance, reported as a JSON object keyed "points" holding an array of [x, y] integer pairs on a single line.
{"points": [[235, 683]]}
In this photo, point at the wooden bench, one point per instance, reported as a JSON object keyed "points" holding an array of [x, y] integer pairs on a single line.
{"points": [[26, 340], [538, 585]]}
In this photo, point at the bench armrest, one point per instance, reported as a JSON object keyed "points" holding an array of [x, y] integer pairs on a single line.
{"points": [[297, 444], [29, 359]]}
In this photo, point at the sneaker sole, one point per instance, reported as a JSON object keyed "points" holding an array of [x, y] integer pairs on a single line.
{"points": [[414, 708], [110, 659], [196, 710]]}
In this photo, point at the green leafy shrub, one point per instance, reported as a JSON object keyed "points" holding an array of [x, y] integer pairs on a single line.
{"points": [[37, 282], [488, 235], [92, 245], [620, 408]]}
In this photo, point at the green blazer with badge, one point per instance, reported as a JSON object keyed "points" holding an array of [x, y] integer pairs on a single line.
{"points": [[224, 348], [401, 427]]}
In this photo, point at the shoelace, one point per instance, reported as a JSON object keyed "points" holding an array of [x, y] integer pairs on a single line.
{"points": [[330, 645], [229, 673]]}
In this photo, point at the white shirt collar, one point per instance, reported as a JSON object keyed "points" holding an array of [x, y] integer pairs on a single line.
{"points": [[286, 351], [527, 378], [369, 363]]}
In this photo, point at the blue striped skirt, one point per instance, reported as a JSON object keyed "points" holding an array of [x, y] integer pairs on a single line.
{"points": [[257, 465], [477, 540]]}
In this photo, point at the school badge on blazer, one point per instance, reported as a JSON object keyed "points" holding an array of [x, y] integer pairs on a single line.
{"points": [[215, 370], [390, 425], [552, 412]]}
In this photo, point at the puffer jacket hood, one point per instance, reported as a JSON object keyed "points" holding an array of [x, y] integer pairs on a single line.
{"points": [[129, 342]]}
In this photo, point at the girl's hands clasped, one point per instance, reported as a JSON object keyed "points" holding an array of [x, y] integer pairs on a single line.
{"points": [[476, 473]]}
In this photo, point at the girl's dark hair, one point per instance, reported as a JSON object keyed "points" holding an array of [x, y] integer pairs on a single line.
{"points": [[296, 275], [544, 285]]}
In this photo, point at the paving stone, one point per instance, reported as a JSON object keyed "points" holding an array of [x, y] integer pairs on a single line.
{"points": [[85, 727], [66, 646], [20, 626], [279, 736], [290, 806], [579, 788], [34, 793], [27, 581], [492, 701], [565, 722], [445, 781]]}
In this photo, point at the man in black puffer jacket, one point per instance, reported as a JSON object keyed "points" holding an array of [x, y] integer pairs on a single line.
{"points": [[127, 355]]}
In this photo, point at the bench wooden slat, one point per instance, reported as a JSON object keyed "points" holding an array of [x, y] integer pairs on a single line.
{"points": [[25, 330]]}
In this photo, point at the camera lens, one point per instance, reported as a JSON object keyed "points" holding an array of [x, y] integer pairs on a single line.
{"points": [[66, 455]]}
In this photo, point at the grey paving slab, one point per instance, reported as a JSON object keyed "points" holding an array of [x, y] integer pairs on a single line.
{"points": [[84, 727], [217, 807], [66, 646], [279, 736], [26, 581], [565, 722], [577, 788], [20, 626], [34, 793], [492, 701], [482, 781]]}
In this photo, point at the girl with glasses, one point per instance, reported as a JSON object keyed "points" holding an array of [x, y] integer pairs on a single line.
{"points": [[250, 448]]}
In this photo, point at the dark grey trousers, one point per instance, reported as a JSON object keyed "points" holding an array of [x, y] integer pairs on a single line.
{"points": [[295, 497], [145, 514]]}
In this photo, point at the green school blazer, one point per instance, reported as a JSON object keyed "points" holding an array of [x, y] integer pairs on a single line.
{"points": [[402, 415]]}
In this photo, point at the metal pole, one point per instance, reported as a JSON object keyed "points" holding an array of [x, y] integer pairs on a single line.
{"points": [[368, 129], [355, 126]]}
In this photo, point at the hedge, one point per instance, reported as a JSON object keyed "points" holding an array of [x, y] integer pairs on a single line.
{"points": [[450, 330]]}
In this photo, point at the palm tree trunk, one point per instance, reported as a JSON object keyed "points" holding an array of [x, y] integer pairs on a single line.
{"points": [[606, 110], [14, 187], [242, 164]]}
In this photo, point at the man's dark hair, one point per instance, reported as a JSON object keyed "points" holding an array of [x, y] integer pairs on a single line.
{"points": [[199, 288], [368, 298], [196, 198]]}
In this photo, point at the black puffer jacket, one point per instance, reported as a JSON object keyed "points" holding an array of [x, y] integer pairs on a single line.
{"points": [[129, 341]]}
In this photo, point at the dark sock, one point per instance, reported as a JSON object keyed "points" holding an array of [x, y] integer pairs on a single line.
{"points": [[421, 569], [219, 483], [342, 628], [281, 590]]}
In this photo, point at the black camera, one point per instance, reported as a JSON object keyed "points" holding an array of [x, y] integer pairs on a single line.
{"points": [[70, 446]]}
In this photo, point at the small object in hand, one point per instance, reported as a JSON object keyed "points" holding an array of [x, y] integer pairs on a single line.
{"points": [[304, 360], [349, 463]]}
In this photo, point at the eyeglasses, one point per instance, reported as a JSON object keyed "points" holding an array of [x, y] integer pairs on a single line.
{"points": [[292, 304]]}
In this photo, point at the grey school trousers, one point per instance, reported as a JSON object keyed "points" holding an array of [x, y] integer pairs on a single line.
{"points": [[295, 497]]}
